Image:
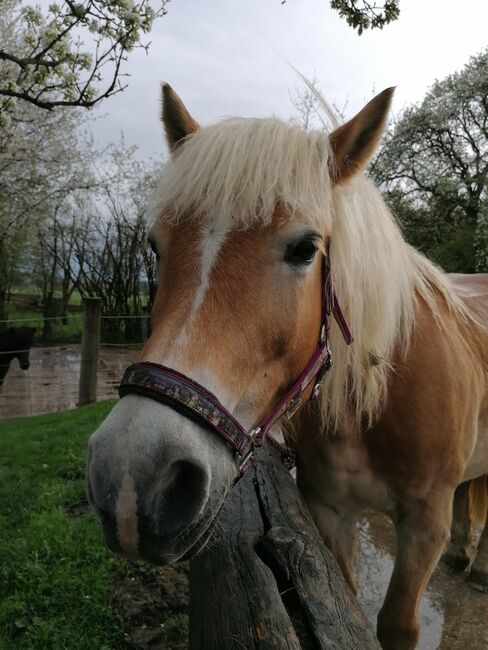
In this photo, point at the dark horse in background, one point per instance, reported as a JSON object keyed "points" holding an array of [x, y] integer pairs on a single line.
{"points": [[15, 343]]}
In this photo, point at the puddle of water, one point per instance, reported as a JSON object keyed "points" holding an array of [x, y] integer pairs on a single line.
{"points": [[453, 616], [51, 383]]}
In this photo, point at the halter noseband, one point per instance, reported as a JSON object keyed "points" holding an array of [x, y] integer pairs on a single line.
{"points": [[193, 400]]}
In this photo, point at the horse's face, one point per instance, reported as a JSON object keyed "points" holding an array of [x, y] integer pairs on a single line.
{"points": [[239, 311]]}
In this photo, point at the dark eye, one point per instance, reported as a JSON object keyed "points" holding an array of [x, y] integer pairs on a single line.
{"points": [[302, 252]]}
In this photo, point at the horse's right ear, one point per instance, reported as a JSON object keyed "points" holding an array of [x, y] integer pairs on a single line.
{"points": [[178, 123], [354, 142]]}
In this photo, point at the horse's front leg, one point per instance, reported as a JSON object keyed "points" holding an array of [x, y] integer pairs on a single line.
{"points": [[338, 528], [422, 528]]}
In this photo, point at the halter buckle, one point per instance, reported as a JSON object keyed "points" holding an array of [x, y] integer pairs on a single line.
{"points": [[243, 462], [323, 334], [319, 380]]}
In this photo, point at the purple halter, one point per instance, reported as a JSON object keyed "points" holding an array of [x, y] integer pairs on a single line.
{"points": [[193, 400]]}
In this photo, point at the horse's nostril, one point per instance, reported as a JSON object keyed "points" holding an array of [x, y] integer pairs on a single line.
{"points": [[183, 493]]}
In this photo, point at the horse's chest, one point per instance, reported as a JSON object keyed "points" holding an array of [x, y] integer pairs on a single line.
{"points": [[345, 477]]}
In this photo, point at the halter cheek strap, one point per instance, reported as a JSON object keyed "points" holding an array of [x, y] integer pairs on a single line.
{"points": [[193, 400]]}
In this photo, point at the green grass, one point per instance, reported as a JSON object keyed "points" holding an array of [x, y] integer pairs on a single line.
{"points": [[55, 571]]}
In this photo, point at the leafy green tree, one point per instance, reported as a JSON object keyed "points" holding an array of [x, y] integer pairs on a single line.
{"points": [[433, 165]]}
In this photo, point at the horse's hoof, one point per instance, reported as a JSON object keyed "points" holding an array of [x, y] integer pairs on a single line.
{"points": [[478, 580], [456, 563]]}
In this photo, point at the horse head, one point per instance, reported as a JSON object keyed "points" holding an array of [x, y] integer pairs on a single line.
{"points": [[15, 344], [243, 223]]}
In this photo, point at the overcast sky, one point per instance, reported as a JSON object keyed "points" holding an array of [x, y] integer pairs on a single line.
{"points": [[230, 57]]}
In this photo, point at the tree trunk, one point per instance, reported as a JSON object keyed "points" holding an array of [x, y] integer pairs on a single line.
{"points": [[267, 580]]}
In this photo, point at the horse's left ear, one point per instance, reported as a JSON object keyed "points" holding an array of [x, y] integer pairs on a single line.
{"points": [[353, 143], [178, 123]]}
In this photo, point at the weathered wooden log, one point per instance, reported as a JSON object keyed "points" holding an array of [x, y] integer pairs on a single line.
{"points": [[267, 580]]}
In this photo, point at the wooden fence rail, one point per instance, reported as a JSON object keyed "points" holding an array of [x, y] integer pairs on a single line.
{"points": [[267, 581]]}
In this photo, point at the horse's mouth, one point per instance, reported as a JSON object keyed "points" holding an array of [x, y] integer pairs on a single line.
{"points": [[148, 550], [202, 540]]}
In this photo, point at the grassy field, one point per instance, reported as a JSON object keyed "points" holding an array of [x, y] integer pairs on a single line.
{"points": [[56, 576]]}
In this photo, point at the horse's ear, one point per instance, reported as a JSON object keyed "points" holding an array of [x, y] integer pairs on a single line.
{"points": [[354, 142], [178, 123]]}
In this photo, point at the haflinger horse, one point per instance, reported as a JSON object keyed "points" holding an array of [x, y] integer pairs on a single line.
{"points": [[254, 217], [15, 343]]}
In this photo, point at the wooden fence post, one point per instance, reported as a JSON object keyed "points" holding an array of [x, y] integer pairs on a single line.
{"points": [[144, 327], [267, 580], [90, 344]]}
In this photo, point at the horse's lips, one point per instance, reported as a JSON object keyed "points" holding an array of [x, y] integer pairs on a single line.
{"points": [[202, 540]]}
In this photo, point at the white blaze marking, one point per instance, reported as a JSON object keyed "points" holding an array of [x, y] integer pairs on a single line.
{"points": [[126, 512], [213, 238]]}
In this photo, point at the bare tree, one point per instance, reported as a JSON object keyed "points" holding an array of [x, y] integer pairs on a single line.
{"points": [[43, 159], [112, 259]]}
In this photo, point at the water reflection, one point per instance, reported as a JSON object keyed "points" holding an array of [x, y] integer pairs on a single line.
{"points": [[453, 616], [51, 383]]}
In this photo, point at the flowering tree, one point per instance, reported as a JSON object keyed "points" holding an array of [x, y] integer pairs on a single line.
{"points": [[47, 60], [361, 14], [434, 167]]}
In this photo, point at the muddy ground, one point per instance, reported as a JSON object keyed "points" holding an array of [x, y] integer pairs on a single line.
{"points": [[51, 383], [154, 608], [454, 616]]}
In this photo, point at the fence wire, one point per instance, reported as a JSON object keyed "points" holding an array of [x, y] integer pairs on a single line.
{"points": [[117, 329]]}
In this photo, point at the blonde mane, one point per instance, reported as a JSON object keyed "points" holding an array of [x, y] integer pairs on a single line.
{"points": [[379, 278], [237, 170]]}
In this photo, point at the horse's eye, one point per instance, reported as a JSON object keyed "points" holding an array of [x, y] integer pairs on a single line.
{"points": [[302, 252]]}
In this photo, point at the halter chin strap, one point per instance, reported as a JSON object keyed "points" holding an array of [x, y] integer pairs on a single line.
{"points": [[193, 400]]}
